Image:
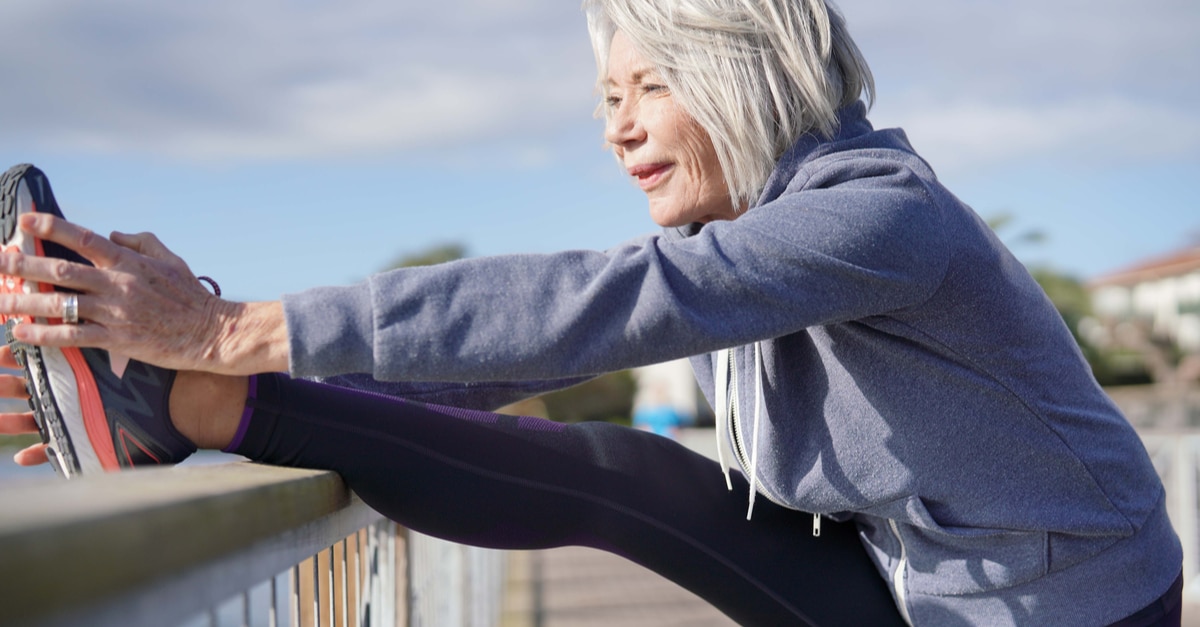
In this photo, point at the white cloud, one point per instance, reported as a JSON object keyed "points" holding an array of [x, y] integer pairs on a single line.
{"points": [[973, 82], [1034, 47], [270, 79], [963, 135], [978, 83]]}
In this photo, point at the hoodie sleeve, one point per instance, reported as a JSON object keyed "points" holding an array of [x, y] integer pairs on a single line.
{"points": [[854, 238]]}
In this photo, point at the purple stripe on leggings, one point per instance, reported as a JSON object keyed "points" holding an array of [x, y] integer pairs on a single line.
{"points": [[526, 423], [251, 394], [532, 423]]}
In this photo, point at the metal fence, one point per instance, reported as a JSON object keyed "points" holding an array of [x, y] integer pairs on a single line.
{"points": [[241, 545], [381, 576], [1176, 456]]}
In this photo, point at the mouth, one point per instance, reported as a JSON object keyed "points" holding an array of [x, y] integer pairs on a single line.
{"points": [[650, 175]]}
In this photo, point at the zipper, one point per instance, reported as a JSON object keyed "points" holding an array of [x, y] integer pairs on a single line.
{"points": [[738, 448], [898, 576]]}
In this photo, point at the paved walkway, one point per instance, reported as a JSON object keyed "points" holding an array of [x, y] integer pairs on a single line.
{"points": [[579, 587]]}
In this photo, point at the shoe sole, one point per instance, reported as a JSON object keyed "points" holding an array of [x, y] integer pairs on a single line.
{"points": [[62, 389]]}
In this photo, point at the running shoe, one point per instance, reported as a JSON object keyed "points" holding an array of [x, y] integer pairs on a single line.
{"points": [[94, 413]]}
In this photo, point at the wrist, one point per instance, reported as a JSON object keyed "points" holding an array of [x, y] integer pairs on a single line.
{"points": [[252, 339]]}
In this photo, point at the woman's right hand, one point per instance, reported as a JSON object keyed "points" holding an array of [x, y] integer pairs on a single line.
{"points": [[13, 386], [140, 300]]}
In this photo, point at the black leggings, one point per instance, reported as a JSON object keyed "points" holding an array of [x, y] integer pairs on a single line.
{"points": [[526, 483]]}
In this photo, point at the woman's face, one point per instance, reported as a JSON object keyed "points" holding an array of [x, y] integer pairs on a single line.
{"points": [[665, 151]]}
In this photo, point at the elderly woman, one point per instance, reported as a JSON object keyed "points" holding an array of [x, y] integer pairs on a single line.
{"points": [[924, 440]]}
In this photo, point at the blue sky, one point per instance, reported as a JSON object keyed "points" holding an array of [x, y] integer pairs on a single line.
{"points": [[283, 144]]}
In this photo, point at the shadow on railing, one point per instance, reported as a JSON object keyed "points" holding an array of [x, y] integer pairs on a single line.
{"points": [[233, 544]]}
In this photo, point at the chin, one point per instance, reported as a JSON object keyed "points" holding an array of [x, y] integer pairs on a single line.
{"points": [[669, 223], [674, 215], [669, 217]]}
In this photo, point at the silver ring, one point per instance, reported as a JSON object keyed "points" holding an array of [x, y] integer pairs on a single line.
{"points": [[71, 309]]}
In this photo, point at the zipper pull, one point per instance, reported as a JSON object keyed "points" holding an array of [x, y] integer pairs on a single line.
{"points": [[816, 525]]}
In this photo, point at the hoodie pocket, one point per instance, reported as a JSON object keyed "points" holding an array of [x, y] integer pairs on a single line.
{"points": [[946, 560]]}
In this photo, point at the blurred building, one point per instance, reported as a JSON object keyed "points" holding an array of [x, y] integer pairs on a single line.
{"points": [[1161, 296], [668, 398], [1148, 316]]}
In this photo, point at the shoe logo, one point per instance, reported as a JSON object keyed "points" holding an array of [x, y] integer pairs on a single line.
{"points": [[135, 444], [126, 439]]}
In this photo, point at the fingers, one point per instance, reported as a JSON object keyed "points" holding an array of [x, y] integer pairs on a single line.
{"points": [[76, 276], [83, 334], [12, 386], [98, 250], [51, 306], [145, 243], [6, 358], [47, 305], [17, 424], [32, 456]]}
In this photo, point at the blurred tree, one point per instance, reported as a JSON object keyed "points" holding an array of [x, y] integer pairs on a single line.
{"points": [[1000, 222], [608, 397], [17, 442], [1110, 366], [440, 253]]}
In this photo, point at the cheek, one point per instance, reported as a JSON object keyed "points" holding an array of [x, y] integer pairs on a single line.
{"points": [[705, 166], [694, 141]]}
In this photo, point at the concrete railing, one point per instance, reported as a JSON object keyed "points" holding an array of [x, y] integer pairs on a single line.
{"points": [[250, 545], [232, 544]]}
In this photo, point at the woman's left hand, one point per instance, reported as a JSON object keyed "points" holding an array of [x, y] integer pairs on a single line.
{"points": [[18, 423], [139, 300]]}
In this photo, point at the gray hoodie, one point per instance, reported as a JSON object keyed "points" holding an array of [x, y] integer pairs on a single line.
{"points": [[889, 363]]}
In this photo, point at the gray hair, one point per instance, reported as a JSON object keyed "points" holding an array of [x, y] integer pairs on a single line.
{"points": [[755, 74]]}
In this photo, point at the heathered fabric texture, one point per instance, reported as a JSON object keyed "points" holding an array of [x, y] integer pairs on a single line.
{"points": [[913, 372]]}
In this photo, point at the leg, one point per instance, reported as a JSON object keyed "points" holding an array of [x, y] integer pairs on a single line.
{"points": [[207, 408], [524, 483]]}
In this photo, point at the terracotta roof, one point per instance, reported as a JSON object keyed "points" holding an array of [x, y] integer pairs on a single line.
{"points": [[1174, 264]]}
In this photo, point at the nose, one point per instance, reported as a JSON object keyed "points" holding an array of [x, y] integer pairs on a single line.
{"points": [[624, 125]]}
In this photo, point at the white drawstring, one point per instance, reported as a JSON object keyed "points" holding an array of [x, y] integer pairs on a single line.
{"points": [[758, 403], [722, 396], [723, 419]]}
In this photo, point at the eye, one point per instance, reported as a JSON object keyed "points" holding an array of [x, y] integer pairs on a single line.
{"points": [[651, 88], [612, 102]]}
